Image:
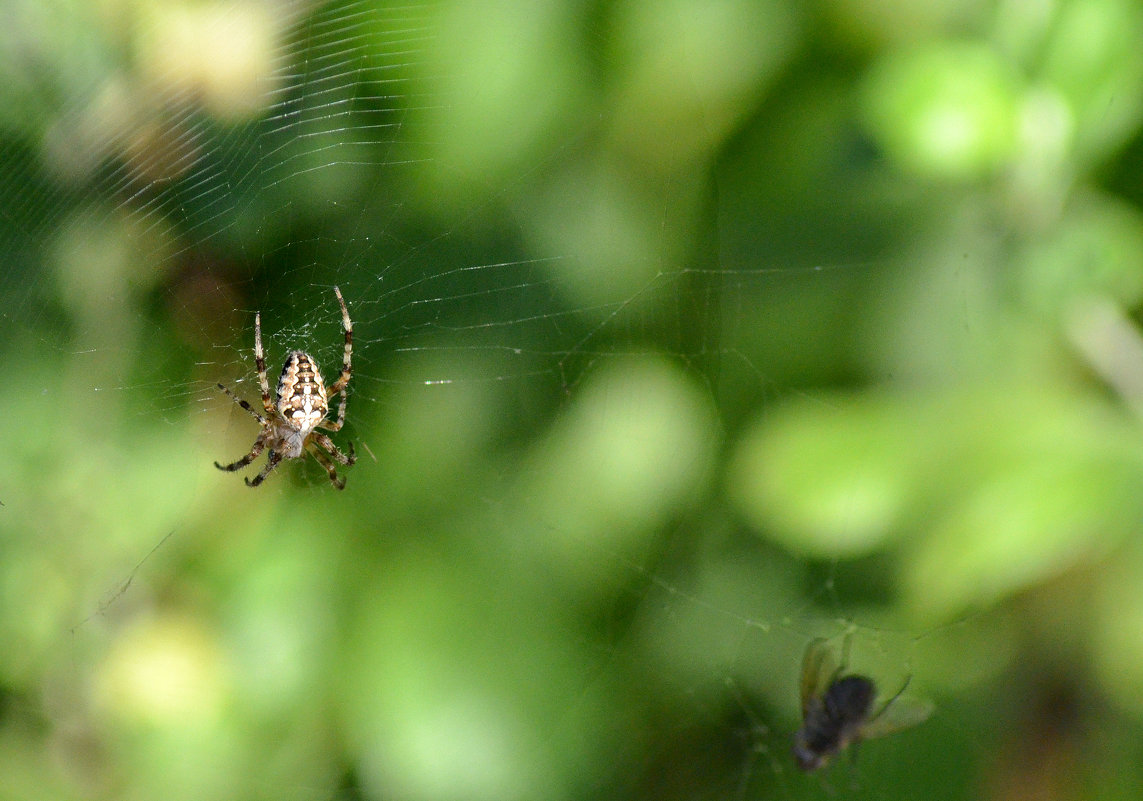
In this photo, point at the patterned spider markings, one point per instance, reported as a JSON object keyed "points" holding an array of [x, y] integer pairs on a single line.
{"points": [[290, 426]]}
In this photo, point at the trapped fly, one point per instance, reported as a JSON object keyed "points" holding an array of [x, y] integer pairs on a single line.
{"points": [[836, 708]]}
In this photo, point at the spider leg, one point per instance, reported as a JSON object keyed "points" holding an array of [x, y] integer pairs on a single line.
{"points": [[259, 444], [260, 361], [346, 365], [324, 461], [327, 443], [271, 462], [243, 404], [337, 424]]}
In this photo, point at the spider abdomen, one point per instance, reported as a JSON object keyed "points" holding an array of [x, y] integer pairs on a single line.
{"points": [[302, 399]]}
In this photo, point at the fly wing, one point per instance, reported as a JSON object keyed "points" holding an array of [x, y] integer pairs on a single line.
{"points": [[819, 664], [902, 713]]}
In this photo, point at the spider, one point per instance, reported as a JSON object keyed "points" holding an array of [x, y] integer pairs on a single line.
{"points": [[290, 428]]}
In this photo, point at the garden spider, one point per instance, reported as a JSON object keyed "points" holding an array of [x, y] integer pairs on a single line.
{"points": [[290, 428]]}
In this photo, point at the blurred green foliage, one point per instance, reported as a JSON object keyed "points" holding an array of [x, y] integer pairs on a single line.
{"points": [[685, 332]]}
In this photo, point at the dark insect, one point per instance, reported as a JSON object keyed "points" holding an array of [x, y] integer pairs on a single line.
{"points": [[836, 708]]}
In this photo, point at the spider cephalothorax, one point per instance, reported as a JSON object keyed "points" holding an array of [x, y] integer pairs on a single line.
{"points": [[290, 427]]}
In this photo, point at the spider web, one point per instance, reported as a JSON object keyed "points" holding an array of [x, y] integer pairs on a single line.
{"points": [[191, 205]]}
